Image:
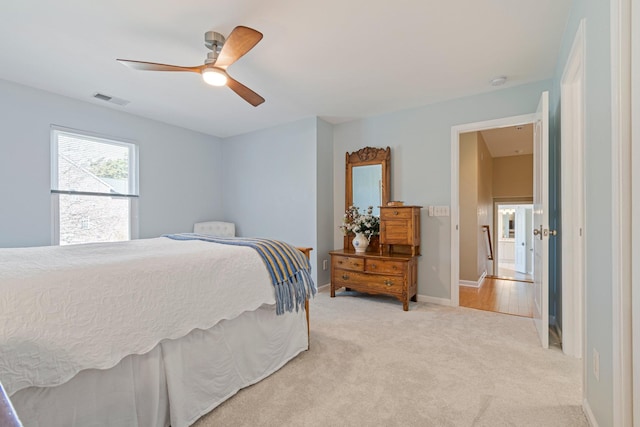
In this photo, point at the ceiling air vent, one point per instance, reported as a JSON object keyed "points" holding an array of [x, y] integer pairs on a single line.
{"points": [[111, 99]]}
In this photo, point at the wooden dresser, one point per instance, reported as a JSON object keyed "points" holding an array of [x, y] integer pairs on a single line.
{"points": [[393, 268], [390, 274]]}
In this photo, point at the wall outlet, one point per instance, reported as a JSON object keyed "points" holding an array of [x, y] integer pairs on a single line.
{"points": [[325, 264], [596, 364]]}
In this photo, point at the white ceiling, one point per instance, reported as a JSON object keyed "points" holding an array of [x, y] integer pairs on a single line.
{"points": [[336, 59]]}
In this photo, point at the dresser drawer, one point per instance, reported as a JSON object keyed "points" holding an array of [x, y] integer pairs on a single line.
{"points": [[348, 263], [373, 283], [395, 213], [384, 266]]}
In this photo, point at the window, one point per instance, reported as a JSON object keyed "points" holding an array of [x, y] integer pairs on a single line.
{"points": [[94, 188]]}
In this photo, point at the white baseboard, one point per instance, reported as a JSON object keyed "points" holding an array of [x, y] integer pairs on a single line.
{"points": [[471, 283], [587, 411], [434, 300]]}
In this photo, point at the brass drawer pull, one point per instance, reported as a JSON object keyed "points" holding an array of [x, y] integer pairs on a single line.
{"points": [[388, 282], [395, 212], [345, 277], [374, 266]]}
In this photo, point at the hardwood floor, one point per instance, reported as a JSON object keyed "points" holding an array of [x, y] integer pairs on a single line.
{"points": [[502, 296], [510, 273]]}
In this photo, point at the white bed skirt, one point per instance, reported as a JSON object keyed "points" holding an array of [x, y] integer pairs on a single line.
{"points": [[175, 383]]}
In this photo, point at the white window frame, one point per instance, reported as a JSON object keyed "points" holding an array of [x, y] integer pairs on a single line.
{"points": [[133, 193]]}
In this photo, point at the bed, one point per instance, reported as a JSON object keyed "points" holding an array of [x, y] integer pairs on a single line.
{"points": [[150, 332]]}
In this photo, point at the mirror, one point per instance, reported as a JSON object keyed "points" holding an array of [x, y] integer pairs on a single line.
{"points": [[367, 178], [367, 187]]}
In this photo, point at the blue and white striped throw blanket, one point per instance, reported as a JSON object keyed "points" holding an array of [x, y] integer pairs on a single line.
{"points": [[289, 269]]}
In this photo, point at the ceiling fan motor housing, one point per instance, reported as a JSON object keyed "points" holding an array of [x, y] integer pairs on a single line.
{"points": [[213, 41]]}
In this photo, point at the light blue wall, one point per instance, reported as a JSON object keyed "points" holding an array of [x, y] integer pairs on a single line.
{"points": [[180, 170], [270, 187], [324, 176], [420, 141], [598, 177]]}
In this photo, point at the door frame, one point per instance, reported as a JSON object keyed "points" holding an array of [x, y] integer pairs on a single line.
{"points": [[572, 190], [456, 130], [504, 201], [624, 50], [635, 218]]}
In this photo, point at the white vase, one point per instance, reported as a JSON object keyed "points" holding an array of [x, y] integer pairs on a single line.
{"points": [[360, 242]]}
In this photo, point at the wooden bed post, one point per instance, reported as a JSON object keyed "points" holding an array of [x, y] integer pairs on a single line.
{"points": [[307, 253]]}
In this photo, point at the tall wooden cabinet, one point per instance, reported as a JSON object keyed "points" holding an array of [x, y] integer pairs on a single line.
{"points": [[400, 227], [393, 269]]}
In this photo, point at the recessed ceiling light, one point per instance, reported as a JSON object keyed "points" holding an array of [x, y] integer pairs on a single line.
{"points": [[498, 81]]}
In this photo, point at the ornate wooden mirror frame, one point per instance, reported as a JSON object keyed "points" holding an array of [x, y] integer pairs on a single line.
{"points": [[365, 157]]}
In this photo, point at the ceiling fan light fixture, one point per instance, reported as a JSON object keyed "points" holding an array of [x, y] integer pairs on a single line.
{"points": [[214, 77]]}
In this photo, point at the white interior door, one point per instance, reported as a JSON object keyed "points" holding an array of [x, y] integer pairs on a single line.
{"points": [[520, 240], [541, 220]]}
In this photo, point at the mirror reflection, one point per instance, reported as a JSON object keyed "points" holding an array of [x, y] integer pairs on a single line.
{"points": [[367, 187], [506, 223]]}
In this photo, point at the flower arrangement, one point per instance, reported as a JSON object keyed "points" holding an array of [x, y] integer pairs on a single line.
{"points": [[355, 222]]}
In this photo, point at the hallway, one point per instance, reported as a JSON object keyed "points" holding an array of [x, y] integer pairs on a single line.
{"points": [[498, 295]]}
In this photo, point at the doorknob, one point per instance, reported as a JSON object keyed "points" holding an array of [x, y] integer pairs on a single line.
{"points": [[539, 232], [542, 232]]}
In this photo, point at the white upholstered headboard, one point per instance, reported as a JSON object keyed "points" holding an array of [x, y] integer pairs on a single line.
{"points": [[215, 228]]}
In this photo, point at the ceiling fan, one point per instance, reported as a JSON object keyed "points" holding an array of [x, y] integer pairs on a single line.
{"points": [[224, 52]]}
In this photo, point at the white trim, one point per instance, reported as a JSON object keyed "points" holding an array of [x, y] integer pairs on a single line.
{"points": [[635, 209], [589, 414], [455, 178], [572, 104], [435, 300], [471, 283], [133, 181], [497, 201], [621, 211]]}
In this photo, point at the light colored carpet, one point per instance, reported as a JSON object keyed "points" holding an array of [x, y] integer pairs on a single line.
{"points": [[372, 364]]}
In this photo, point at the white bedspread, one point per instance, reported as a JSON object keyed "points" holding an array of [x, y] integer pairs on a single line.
{"points": [[65, 309]]}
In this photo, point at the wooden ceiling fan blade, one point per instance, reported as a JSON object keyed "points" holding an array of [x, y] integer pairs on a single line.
{"points": [[240, 41], [153, 66], [245, 93]]}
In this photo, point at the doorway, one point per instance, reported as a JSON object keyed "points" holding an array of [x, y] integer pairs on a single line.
{"points": [[496, 193], [540, 123], [514, 241]]}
